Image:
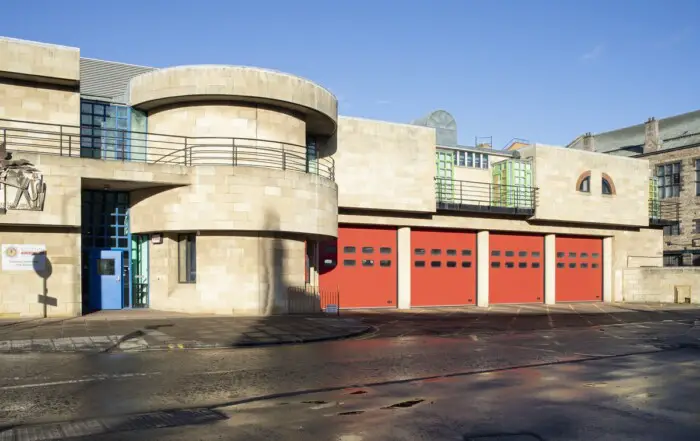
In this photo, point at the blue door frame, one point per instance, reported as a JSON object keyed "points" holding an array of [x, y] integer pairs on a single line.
{"points": [[106, 279]]}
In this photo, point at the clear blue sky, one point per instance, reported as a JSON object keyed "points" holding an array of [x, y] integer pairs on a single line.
{"points": [[541, 70]]}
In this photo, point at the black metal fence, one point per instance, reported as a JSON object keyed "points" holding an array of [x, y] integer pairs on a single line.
{"points": [[155, 148], [485, 197], [313, 300], [663, 212]]}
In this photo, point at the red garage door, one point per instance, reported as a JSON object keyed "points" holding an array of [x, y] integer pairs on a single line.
{"points": [[516, 268], [443, 268], [579, 269], [362, 265]]}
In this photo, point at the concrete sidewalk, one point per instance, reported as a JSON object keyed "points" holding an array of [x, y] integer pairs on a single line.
{"points": [[121, 331]]}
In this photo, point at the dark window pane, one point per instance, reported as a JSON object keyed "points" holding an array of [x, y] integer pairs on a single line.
{"points": [[466, 264], [495, 253], [451, 264], [583, 265], [572, 265], [495, 264], [522, 253], [349, 250], [384, 250], [560, 264], [349, 262], [419, 263], [595, 255], [510, 264], [451, 252], [367, 250], [510, 253], [435, 252], [535, 264], [583, 255], [535, 254], [522, 264], [105, 267], [595, 265], [572, 255], [466, 252], [367, 262], [419, 251], [385, 263], [435, 264], [561, 254]]}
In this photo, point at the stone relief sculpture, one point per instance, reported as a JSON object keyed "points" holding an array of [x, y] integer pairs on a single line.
{"points": [[22, 185]]}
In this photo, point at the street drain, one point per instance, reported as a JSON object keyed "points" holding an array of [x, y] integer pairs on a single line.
{"points": [[404, 404], [101, 426], [358, 392], [315, 402], [352, 412]]}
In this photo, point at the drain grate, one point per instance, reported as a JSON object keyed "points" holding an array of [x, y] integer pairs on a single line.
{"points": [[404, 404], [154, 420]]}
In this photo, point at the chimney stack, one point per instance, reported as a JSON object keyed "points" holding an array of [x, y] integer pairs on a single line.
{"points": [[652, 141], [588, 142]]}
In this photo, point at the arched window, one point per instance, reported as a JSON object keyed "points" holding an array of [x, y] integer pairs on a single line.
{"points": [[584, 182], [607, 186]]}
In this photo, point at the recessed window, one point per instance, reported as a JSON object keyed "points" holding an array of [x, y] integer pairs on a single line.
{"points": [[561, 254], [466, 252], [522, 253], [495, 264], [510, 253], [572, 265], [607, 185], [187, 258], [435, 252], [522, 264], [349, 262], [535, 264], [466, 264], [451, 264], [419, 251], [384, 250], [349, 250], [451, 252], [583, 265], [419, 263], [510, 264], [595, 255], [595, 265], [560, 265], [583, 255], [368, 262], [495, 253], [385, 263], [669, 180], [584, 182], [367, 250], [535, 254], [673, 230], [435, 264], [572, 255]]}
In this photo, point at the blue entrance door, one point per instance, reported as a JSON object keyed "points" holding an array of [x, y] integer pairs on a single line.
{"points": [[106, 281]]}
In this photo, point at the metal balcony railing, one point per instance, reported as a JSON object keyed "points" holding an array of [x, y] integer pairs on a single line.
{"points": [[456, 195], [155, 148], [663, 212]]}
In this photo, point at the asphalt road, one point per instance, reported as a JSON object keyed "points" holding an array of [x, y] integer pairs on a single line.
{"points": [[260, 393]]}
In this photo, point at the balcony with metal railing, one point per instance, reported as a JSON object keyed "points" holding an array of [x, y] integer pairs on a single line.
{"points": [[481, 197], [155, 148], [663, 212]]}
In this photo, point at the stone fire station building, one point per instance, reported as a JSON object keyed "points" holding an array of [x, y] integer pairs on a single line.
{"points": [[232, 189]]}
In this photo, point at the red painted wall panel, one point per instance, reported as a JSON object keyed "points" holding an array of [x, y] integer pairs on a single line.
{"points": [[361, 264], [579, 269], [443, 268], [516, 268]]}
